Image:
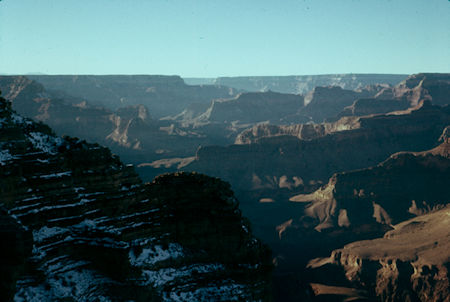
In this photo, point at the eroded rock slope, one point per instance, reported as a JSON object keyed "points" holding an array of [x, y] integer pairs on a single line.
{"points": [[410, 263]]}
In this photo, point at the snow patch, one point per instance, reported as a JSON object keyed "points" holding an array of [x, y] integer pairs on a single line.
{"points": [[5, 156], [56, 175], [44, 142], [165, 275], [64, 279], [152, 255], [46, 232]]}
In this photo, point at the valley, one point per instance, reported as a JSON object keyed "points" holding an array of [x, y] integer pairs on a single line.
{"points": [[320, 165]]}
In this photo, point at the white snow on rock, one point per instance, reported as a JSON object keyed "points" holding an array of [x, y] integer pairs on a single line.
{"points": [[65, 279], [46, 232], [44, 142], [154, 254], [56, 175], [5, 156], [165, 275]]}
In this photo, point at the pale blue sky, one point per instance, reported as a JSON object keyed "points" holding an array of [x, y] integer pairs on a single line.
{"points": [[212, 38]]}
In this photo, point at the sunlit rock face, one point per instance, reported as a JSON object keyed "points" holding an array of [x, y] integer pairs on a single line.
{"points": [[96, 232], [410, 263], [434, 87], [316, 152], [366, 203]]}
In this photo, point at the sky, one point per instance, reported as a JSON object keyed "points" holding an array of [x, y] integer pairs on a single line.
{"points": [[210, 38]]}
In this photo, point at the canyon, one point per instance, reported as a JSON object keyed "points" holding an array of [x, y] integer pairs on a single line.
{"points": [[92, 229], [333, 172]]}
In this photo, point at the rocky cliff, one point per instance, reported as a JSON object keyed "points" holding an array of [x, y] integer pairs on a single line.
{"points": [[130, 131], [16, 243], [410, 263], [163, 95], [253, 108], [98, 233], [326, 102], [370, 106], [408, 93], [364, 204], [372, 195], [368, 141], [266, 173], [301, 131], [305, 83], [417, 87]]}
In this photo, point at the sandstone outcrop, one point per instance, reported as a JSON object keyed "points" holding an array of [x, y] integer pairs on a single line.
{"points": [[421, 86], [408, 93], [364, 204], [410, 262], [301, 131]]}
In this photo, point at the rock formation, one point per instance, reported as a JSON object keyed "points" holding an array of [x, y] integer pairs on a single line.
{"points": [[370, 106], [408, 93], [300, 131], [163, 95], [98, 233], [16, 244], [368, 141], [305, 83], [253, 108], [410, 262], [422, 86], [326, 102], [130, 131], [364, 204]]}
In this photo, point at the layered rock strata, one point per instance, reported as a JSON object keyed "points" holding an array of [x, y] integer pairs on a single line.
{"points": [[410, 263]]}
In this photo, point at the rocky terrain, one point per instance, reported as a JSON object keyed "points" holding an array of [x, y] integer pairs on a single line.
{"points": [[410, 263], [370, 106], [254, 107], [130, 131], [367, 202], [421, 86], [408, 93], [170, 119], [363, 142], [162, 95], [327, 102], [82, 227], [376, 157], [301, 131], [305, 83]]}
